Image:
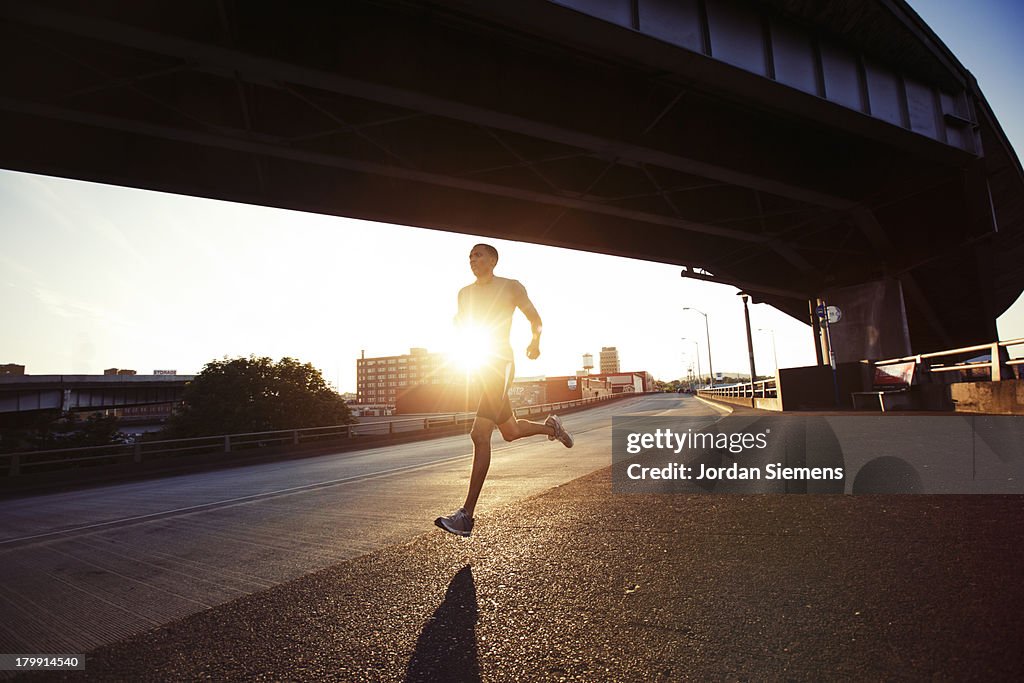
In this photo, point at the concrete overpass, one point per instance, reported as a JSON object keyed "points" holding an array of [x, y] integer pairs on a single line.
{"points": [[792, 149], [87, 392]]}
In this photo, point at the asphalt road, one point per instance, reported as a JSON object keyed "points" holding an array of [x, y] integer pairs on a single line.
{"points": [[579, 584], [85, 568], [573, 582]]}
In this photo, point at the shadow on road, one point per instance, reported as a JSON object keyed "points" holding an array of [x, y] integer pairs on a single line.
{"points": [[446, 649]]}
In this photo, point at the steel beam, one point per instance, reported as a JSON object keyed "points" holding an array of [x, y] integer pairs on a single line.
{"points": [[240, 144], [247, 65]]}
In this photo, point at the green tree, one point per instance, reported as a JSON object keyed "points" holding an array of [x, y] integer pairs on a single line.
{"points": [[255, 394], [41, 430]]}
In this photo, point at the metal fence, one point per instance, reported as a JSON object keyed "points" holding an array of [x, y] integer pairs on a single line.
{"points": [[992, 367], [15, 464], [765, 388]]}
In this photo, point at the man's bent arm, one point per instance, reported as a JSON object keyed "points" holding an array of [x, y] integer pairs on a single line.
{"points": [[529, 310]]}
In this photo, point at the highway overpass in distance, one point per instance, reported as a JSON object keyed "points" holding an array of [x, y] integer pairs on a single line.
{"points": [[72, 393]]}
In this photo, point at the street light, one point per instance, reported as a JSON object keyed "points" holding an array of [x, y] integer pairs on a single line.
{"points": [[775, 355], [707, 331], [750, 339], [698, 357]]}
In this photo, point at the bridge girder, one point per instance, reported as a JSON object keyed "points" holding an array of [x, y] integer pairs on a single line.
{"points": [[458, 116]]}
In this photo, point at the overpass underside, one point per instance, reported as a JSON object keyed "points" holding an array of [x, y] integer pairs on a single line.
{"points": [[62, 394], [785, 151]]}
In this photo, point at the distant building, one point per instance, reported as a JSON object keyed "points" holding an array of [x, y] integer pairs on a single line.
{"points": [[118, 371], [424, 382], [534, 391], [12, 369], [637, 381], [609, 359], [459, 396], [381, 380]]}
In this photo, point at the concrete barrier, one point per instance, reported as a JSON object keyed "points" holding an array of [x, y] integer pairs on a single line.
{"points": [[991, 398]]}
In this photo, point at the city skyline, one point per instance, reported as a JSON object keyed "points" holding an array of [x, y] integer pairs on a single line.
{"points": [[97, 276]]}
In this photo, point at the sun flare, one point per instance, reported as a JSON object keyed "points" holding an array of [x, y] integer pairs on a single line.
{"points": [[470, 349]]}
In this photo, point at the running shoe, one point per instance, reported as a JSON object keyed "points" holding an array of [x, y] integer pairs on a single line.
{"points": [[458, 523], [561, 434]]}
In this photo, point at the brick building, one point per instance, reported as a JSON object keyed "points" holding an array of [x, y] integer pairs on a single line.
{"points": [[609, 359], [458, 395], [380, 380]]}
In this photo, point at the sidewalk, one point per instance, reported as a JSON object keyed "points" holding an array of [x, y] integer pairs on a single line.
{"points": [[581, 584]]}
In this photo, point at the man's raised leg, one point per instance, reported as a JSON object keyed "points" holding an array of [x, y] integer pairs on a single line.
{"points": [[512, 429]]}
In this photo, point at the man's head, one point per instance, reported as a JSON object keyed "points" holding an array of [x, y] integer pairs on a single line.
{"points": [[482, 259]]}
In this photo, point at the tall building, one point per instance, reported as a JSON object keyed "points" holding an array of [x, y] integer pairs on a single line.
{"points": [[609, 359], [380, 380]]}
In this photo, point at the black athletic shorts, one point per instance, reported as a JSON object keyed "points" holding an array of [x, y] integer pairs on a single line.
{"points": [[494, 380]]}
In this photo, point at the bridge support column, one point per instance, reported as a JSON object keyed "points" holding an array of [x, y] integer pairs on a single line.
{"points": [[227, 443], [816, 331]]}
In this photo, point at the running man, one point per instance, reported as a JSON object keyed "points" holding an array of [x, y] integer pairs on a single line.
{"points": [[487, 305]]}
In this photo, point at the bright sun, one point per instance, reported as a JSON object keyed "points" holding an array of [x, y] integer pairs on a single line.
{"points": [[470, 349]]}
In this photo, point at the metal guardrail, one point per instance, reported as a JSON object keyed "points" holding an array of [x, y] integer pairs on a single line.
{"points": [[765, 388], [993, 364], [147, 451]]}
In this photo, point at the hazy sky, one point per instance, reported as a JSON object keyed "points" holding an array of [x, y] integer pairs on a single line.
{"points": [[93, 276]]}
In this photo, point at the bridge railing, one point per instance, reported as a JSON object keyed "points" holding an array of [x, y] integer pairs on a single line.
{"points": [[764, 388], [992, 366], [15, 464]]}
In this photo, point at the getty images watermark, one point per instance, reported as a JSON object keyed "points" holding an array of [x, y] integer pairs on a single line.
{"points": [[665, 439], [815, 454]]}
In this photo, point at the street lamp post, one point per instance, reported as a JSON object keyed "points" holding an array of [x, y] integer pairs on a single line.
{"points": [[698, 355], [707, 331]]}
